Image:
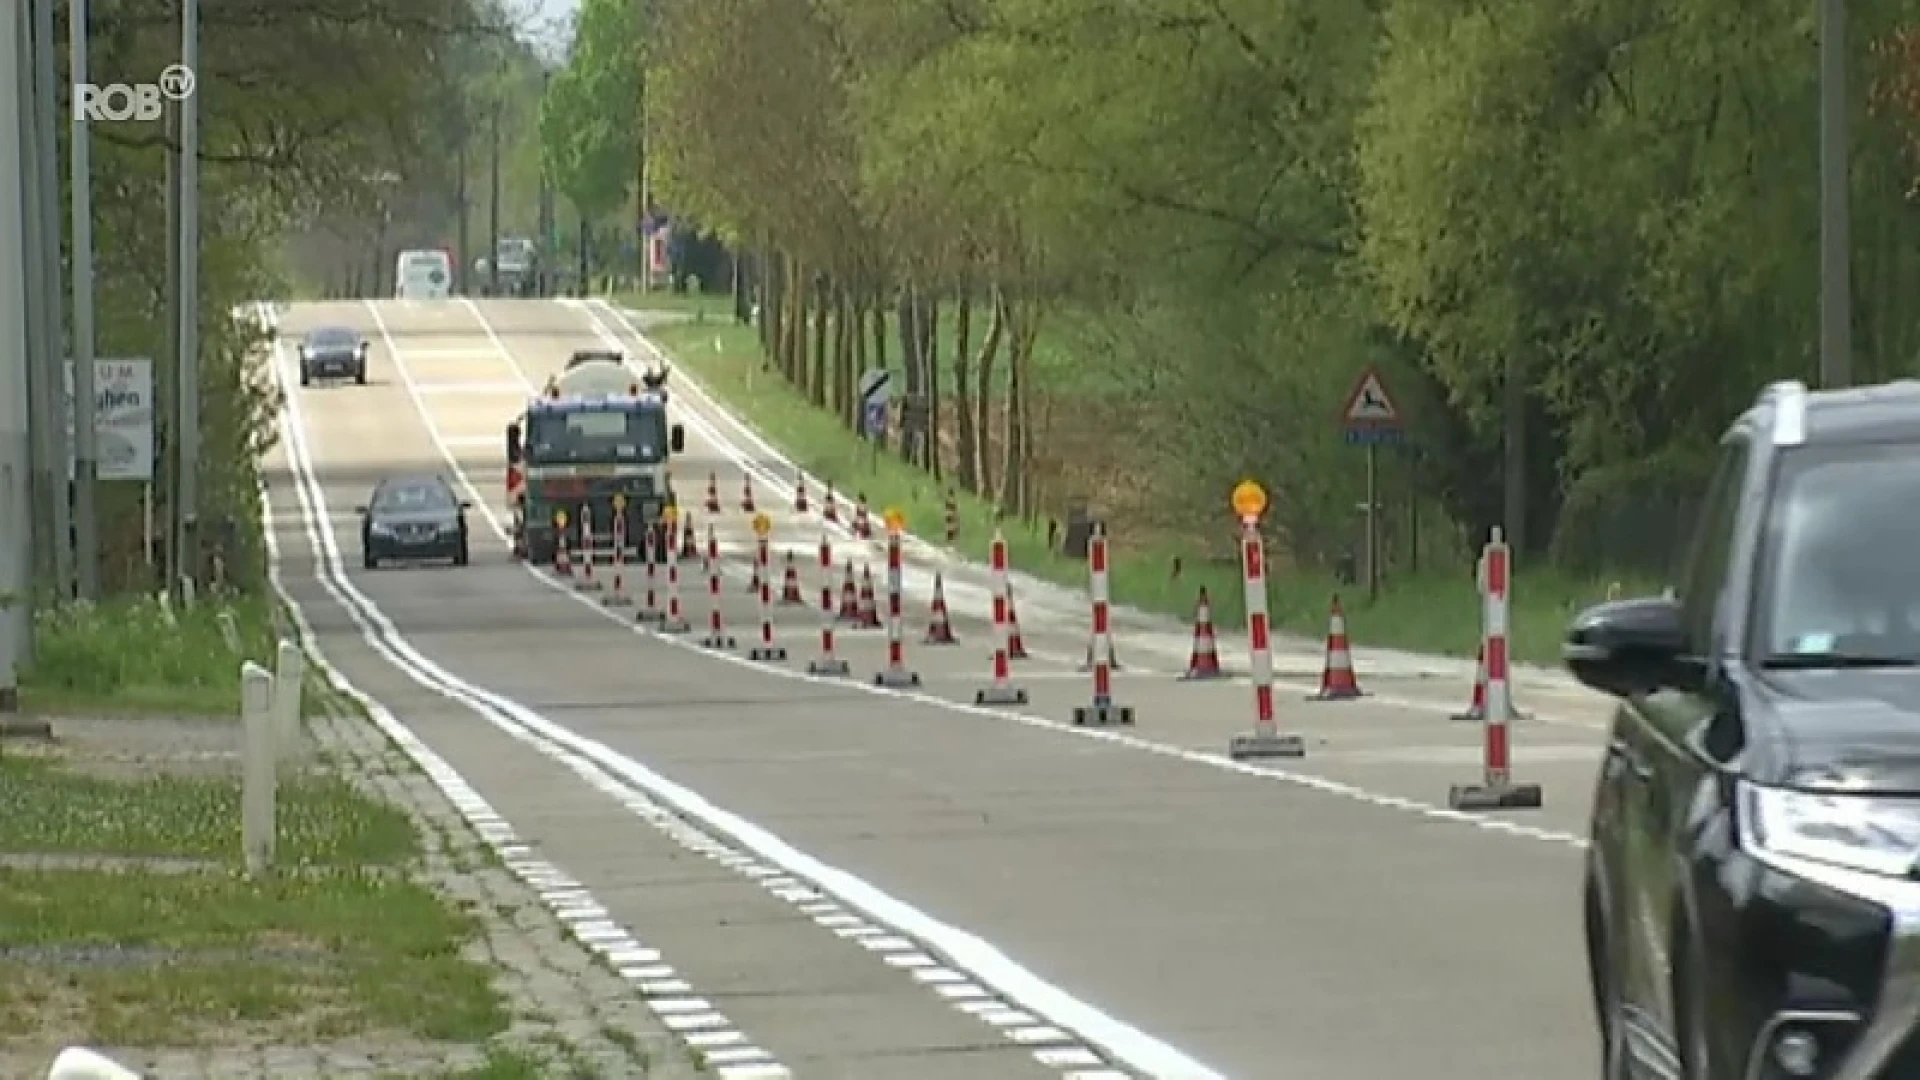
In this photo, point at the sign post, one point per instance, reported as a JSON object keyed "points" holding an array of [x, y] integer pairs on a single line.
{"points": [[1370, 419]]}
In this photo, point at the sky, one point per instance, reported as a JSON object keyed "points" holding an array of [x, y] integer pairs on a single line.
{"points": [[542, 20]]}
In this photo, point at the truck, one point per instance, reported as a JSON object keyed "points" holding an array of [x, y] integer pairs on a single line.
{"points": [[596, 442]]}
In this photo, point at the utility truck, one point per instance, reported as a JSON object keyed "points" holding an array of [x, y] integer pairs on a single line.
{"points": [[596, 436]]}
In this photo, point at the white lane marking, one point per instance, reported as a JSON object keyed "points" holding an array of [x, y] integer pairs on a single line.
{"points": [[498, 389], [566, 898], [457, 352], [1210, 760], [643, 791]]}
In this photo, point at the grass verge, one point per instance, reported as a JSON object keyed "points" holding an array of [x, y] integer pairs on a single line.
{"points": [[132, 655], [1431, 613]]}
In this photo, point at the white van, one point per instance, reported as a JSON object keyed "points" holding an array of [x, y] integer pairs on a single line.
{"points": [[423, 275]]}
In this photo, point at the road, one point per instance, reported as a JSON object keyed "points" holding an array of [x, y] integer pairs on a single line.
{"points": [[839, 881]]}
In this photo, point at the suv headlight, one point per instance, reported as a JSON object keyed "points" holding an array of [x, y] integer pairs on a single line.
{"points": [[1876, 834]]}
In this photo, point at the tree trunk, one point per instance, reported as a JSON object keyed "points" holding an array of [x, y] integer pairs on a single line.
{"points": [[773, 305], [930, 354], [907, 325], [849, 413], [964, 452], [1013, 472], [823, 294], [983, 400], [831, 373]]}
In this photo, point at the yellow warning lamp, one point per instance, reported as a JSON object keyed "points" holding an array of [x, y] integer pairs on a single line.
{"points": [[619, 504], [671, 514], [762, 525], [560, 519], [896, 521], [1249, 500]]}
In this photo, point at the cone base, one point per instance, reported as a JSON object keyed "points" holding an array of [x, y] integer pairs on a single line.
{"points": [[1479, 716], [940, 639], [864, 624], [767, 654], [617, 600], [1495, 797], [1203, 674], [717, 641], [897, 679], [1337, 693], [1001, 695], [587, 585], [1018, 652], [675, 626], [835, 668], [644, 615], [1260, 745], [1103, 716], [792, 601]]}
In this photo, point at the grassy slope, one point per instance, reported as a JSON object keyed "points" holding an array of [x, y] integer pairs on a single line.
{"points": [[1428, 614]]}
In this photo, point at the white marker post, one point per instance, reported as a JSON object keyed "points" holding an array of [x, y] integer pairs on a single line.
{"points": [[260, 774], [289, 678]]}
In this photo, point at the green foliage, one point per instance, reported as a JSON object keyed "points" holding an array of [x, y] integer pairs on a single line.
{"points": [[589, 117]]}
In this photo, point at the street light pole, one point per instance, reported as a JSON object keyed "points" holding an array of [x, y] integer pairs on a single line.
{"points": [[86, 528], [1836, 284]]}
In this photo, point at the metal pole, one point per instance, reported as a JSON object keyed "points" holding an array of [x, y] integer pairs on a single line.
{"points": [[493, 209], [86, 526], [1373, 522], [43, 320], [189, 284], [16, 500], [170, 564], [1836, 284]]}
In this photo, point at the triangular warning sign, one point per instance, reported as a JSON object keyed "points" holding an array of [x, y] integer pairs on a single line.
{"points": [[1370, 405]]}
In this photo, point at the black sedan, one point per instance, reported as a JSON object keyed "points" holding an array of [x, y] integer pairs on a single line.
{"points": [[413, 519], [333, 353]]}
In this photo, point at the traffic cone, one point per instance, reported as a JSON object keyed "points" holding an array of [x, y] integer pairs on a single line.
{"points": [[1476, 710], [849, 598], [1204, 661], [713, 494], [862, 523], [1016, 646], [869, 606], [746, 494], [1337, 680], [689, 548], [713, 545], [790, 586], [830, 506], [940, 630], [800, 493]]}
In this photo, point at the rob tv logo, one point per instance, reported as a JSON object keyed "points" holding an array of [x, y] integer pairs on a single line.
{"points": [[118, 102]]}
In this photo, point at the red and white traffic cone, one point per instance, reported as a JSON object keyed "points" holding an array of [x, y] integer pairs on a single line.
{"points": [[1496, 789], [1001, 691], [649, 611], [1204, 661], [850, 597], [1266, 740], [1337, 679], [940, 630], [1016, 645], [675, 620], [713, 494], [766, 651], [800, 492], [746, 494], [689, 548], [1476, 710], [869, 604], [862, 522], [617, 595], [562, 550], [896, 674], [828, 663], [830, 506], [586, 582], [790, 594], [1102, 712], [717, 636]]}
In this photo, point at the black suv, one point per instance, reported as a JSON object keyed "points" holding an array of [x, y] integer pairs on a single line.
{"points": [[1753, 881]]}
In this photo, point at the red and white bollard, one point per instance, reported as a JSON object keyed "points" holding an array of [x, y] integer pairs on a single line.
{"points": [[830, 506], [862, 524], [713, 548], [896, 674], [828, 663], [1102, 711], [717, 636], [649, 611], [799, 492], [1266, 740], [562, 549], [953, 519], [1002, 691], [617, 595], [586, 582], [675, 620], [1496, 790], [766, 650]]}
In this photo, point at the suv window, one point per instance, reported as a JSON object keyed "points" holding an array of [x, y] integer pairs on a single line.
{"points": [[1704, 575], [1840, 554]]}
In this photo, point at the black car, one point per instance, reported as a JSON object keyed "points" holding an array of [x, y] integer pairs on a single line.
{"points": [[333, 353], [1752, 895], [413, 518]]}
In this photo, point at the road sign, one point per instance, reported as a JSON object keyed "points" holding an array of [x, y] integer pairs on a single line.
{"points": [[1370, 415], [123, 415], [873, 386], [874, 418], [1249, 499], [762, 525]]}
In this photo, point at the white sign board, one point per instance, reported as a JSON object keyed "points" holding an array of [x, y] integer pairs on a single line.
{"points": [[873, 386], [123, 416]]}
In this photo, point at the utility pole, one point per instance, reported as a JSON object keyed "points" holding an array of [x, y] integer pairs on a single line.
{"points": [[86, 523], [1836, 279], [493, 207], [43, 316], [549, 243], [16, 499], [171, 567], [463, 197], [187, 435]]}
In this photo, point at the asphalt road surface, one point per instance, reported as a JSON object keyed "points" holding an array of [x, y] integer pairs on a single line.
{"points": [[849, 882]]}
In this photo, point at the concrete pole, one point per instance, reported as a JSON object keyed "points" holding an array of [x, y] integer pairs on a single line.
{"points": [[16, 499], [187, 433], [86, 525], [48, 386], [1836, 278]]}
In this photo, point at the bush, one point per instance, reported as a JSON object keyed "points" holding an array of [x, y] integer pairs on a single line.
{"points": [[1632, 516], [127, 652]]}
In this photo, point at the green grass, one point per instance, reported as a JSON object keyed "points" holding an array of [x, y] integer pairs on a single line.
{"points": [[704, 306], [1426, 613], [158, 960], [123, 656], [322, 820]]}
